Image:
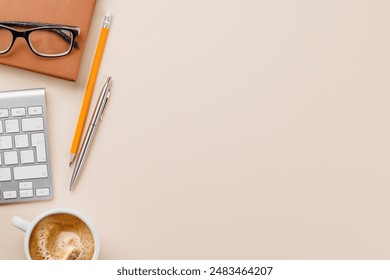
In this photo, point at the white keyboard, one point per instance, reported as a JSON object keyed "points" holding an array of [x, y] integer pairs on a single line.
{"points": [[24, 151]]}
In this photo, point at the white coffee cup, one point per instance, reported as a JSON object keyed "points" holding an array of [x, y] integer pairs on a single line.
{"points": [[28, 227]]}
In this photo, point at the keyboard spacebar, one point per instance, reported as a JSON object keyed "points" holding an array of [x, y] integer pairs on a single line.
{"points": [[30, 172]]}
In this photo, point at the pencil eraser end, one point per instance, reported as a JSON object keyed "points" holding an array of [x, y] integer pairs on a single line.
{"points": [[107, 20]]}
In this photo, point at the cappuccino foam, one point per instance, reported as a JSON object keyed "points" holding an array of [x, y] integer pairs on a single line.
{"points": [[61, 237]]}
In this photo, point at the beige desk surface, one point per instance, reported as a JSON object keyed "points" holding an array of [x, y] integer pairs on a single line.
{"points": [[236, 130]]}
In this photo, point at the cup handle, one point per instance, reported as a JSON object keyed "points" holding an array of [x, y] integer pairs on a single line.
{"points": [[20, 223]]}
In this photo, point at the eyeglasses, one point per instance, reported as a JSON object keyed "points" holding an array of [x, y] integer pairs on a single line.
{"points": [[44, 39]]}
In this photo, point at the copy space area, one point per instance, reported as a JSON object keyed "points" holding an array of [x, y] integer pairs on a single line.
{"points": [[235, 130]]}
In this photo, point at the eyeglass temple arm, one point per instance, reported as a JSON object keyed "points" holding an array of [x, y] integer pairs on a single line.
{"points": [[40, 24]]}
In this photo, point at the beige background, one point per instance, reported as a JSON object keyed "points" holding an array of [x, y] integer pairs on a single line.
{"points": [[236, 130]]}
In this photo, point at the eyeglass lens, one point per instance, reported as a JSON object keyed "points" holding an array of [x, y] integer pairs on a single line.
{"points": [[46, 42], [49, 42], [6, 38]]}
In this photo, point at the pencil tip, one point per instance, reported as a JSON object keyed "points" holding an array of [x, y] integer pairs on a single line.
{"points": [[72, 156]]}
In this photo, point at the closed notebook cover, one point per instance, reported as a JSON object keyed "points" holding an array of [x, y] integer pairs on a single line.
{"points": [[66, 12]]}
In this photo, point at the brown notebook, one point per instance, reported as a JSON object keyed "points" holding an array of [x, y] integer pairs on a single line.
{"points": [[66, 12]]}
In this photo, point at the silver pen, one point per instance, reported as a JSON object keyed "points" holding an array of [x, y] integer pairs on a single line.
{"points": [[96, 118]]}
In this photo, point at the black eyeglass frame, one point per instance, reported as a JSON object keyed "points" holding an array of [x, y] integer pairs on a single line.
{"points": [[75, 30]]}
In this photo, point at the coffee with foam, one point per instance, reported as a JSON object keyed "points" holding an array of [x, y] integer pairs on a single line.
{"points": [[61, 237]]}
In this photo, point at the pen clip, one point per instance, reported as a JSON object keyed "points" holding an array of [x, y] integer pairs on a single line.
{"points": [[104, 105]]}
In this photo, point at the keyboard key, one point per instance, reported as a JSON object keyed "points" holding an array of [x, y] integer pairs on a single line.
{"points": [[21, 141], [12, 126], [9, 195], [1, 127], [5, 174], [30, 172], [27, 156], [3, 113], [35, 110], [38, 141], [42, 192], [10, 157], [32, 124], [18, 112], [26, 193], [25, 185], [5, 142]]}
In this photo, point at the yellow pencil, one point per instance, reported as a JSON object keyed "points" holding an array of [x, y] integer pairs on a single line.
{"points": [[89, 89]]}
